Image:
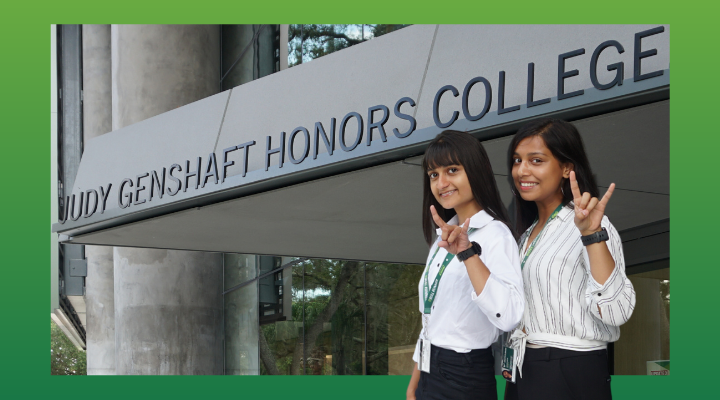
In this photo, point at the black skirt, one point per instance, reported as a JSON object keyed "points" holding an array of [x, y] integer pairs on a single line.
{"points": [[458, 376], [557, 374]]}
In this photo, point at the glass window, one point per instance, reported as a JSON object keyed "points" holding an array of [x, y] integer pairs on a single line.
{"points": [[308, 42], [334, 317], [644, 344], [319, 316], [393, 318], [248, 52], [281, 335]]}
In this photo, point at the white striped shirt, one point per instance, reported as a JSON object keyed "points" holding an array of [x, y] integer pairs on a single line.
{"points": [[561, 296]]}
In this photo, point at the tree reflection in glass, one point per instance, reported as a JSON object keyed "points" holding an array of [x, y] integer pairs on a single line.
{"points": [[334, 298]]}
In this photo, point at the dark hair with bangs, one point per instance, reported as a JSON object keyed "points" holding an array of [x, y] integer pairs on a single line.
{"points": [[564, 142], [460, 148]]}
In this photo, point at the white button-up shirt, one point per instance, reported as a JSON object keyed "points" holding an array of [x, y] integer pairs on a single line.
{"points": [[566, 307], [460, 320]]}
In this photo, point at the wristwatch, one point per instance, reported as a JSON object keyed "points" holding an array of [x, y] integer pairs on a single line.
{"points": [[596, 237], [474, 249]]}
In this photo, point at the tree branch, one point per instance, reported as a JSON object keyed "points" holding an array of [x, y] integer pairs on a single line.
{"points": [[349, 269], [266, 355]]}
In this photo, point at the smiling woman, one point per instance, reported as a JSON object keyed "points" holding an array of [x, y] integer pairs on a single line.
{"points": [[480, 294], [460, 157], [576, 291]]}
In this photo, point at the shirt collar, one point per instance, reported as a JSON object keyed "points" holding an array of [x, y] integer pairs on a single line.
{"points": [[563, 215], [477, 221], [566, 211]]}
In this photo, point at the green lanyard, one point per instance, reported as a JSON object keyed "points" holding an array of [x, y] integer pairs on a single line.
{"points": [[532, 245], [429, 294]]}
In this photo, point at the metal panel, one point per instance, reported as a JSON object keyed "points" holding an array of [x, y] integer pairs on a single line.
{"points": [[78, 267], [647, 243], [71, 104], [71, 144]]}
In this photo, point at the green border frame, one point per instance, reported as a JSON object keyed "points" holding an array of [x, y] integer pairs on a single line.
{"points": [[26, 164]]}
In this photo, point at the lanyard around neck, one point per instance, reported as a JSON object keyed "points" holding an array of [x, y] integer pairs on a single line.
{"points": [[430, 292], [534, 242]]}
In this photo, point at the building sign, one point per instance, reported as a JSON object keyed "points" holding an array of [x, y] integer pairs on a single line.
{"points": [[355, 130]]}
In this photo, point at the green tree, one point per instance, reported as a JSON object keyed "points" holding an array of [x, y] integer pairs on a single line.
{"points": [[65, 358], [311, 41]]}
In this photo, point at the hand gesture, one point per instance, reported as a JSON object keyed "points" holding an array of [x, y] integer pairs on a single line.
{"points": [[588, 211], [453, 238]]}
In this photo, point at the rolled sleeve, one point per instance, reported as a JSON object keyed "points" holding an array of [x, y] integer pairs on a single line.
{"points": [[614, 301], [501, 300]]}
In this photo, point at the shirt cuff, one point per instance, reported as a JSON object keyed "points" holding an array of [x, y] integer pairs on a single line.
{"points": [[493, 300], [608, 291]]}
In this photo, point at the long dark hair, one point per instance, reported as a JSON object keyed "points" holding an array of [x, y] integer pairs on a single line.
{"points": [[566, 145], [460, 148]]}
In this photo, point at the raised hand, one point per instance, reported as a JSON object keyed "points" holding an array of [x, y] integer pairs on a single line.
{"points": [[588, 210], [453, 238]]}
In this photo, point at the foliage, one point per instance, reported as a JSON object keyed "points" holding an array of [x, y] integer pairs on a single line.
{"points": [[313, 40], [334, 298], [65, 358], [665, 295]]}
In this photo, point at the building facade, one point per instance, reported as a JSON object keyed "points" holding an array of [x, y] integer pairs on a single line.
{"points": [[246, 199]]}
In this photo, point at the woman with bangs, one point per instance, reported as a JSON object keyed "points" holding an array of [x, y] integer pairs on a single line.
{"points": [[471, 289], [576, 291]]}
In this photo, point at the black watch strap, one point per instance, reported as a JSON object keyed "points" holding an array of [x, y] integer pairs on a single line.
{"points": [[596, 237], [474, 249]]}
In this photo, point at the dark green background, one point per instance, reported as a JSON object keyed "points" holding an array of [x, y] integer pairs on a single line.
{"points": [[25, 204]]}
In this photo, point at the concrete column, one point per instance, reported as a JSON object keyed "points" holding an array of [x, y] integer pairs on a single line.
{"points": [[241, 316], [168, 303], [100, 303], [97, 120], [97, 81], [157, 68], [168, 312]]}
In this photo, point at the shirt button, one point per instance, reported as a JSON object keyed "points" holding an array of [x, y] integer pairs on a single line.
{"points": [[497, 315]]}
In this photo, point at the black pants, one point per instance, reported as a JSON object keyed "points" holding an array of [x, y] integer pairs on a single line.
{"points": [[458, 376], [557, 374]]}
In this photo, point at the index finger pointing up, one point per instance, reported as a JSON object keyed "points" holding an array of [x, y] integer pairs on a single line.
{"points": [[438, 221], [575, 188], [607, 196]]}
